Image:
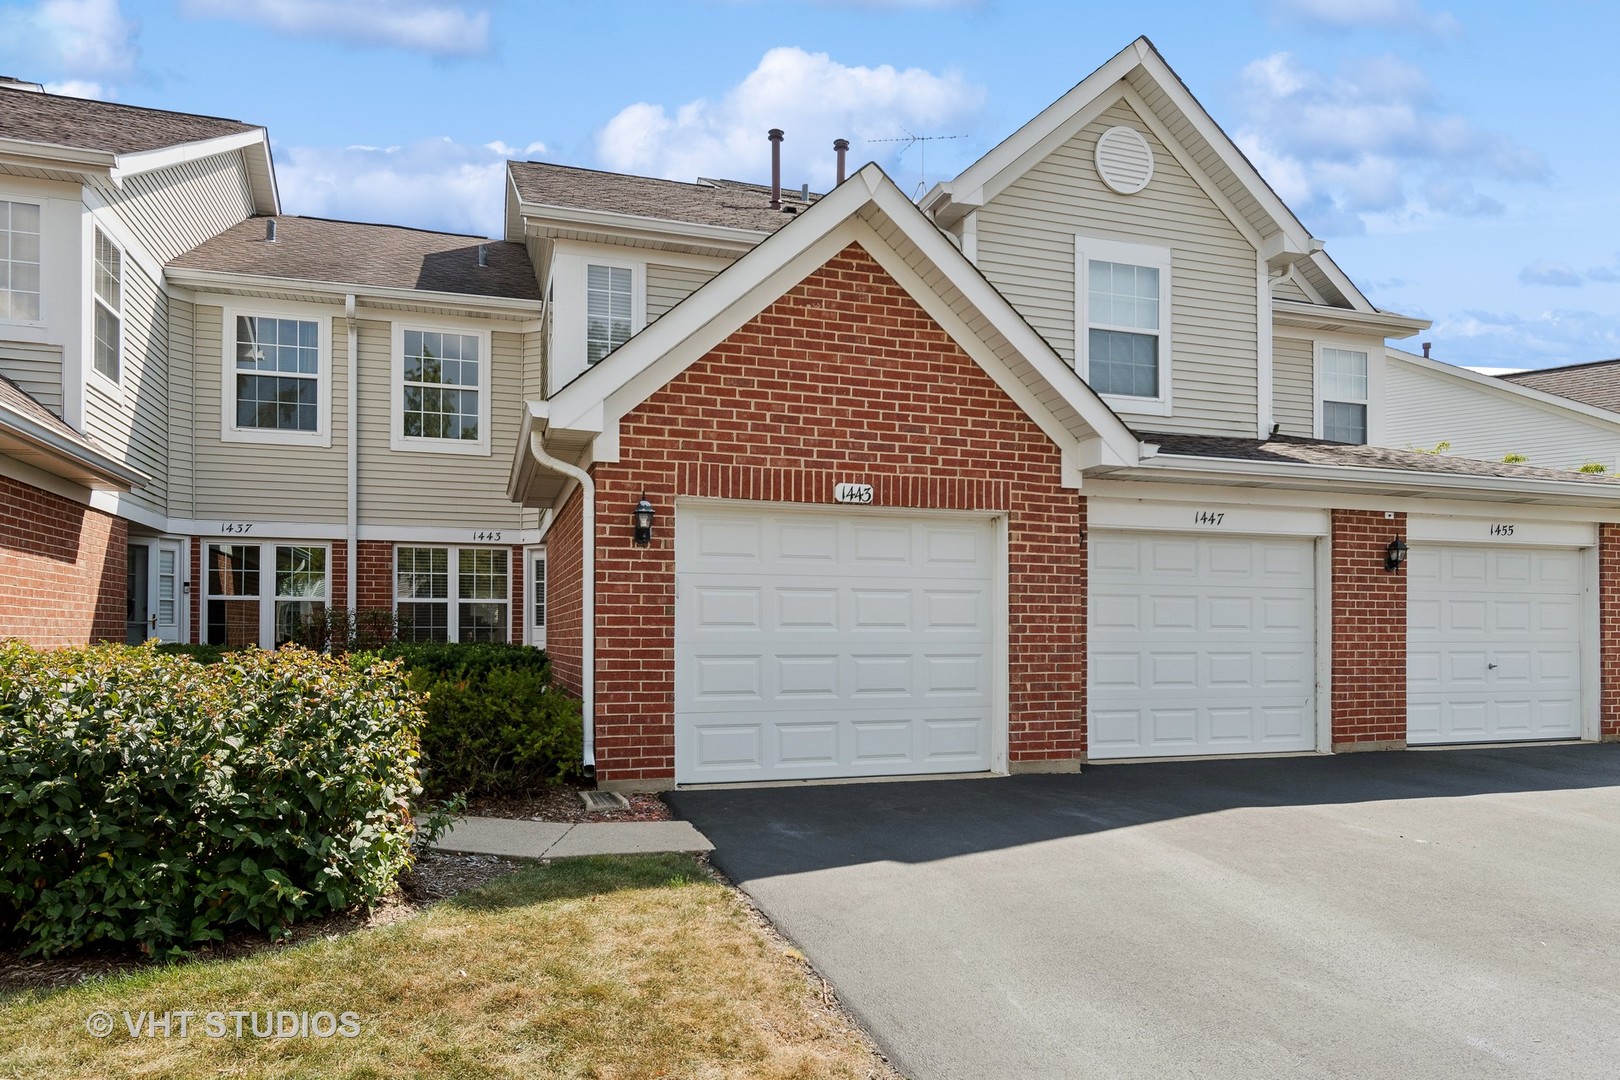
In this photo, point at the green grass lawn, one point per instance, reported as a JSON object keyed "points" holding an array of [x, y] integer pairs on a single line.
{"points": [[627, 967]]}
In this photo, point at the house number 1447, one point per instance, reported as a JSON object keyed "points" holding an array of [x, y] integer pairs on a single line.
{"points": [[1209, 517]]}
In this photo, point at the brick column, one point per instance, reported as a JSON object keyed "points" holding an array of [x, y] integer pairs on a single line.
{"points": [[1369, 634], [1609, 631]]}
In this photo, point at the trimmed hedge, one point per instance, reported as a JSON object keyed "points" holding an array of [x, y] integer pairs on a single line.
{"points": [[150, 800]]}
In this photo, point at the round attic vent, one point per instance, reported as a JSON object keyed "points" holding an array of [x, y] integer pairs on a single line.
{"points": [[1124, 160]]}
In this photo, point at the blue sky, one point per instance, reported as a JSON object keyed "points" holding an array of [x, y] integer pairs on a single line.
{"points": [[1457, 158]]}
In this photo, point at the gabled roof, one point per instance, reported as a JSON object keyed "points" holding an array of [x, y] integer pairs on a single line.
{"points": [[31, 433], [728, 204], [1529, 391], [1141, 71], [1595, 383], [579, 423], [86, 124], [350, 253]]}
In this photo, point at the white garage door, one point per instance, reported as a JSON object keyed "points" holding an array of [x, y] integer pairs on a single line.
{"points": [[831, 643], [1493, 650], [1201, 645]]}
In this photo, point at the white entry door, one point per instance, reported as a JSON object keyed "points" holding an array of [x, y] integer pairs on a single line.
{"points": [[1201, 645], [831, 643], [1493, 644], [154, 590]]}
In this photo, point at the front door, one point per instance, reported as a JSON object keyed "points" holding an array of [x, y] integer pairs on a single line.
{"points": [[154, 591], [139, 594]]}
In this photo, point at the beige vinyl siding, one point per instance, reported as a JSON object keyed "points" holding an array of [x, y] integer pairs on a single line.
{"points": [[416, 488], [133, 420], [182, 363], [1293, 402], [1424, 408], [266, 481], [669, 285], [35, 367], [534, 365], [1026, 247], [1289, 289], [170, 211]]}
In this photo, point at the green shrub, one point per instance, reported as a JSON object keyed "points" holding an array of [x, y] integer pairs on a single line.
{"points": [[466, 658], [151, 800], [203, 654], [343, 630]]}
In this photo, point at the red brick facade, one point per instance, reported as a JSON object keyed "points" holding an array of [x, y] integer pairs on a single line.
{"points": [[1369, 633], [844, 375], [63, 567], [1609, 630]]}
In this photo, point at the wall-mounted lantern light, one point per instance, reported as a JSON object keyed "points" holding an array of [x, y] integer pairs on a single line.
{"points": [[1394, 555], [643, 517]]}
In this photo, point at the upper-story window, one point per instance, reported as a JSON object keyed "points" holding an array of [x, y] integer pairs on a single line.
{"points": [[277, 382], [19, 261], [1342, 378], [1123, 330], [609, 303], [441, 390], [109, 302]]}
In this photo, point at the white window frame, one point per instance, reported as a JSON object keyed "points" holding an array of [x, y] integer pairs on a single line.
{"points": [[115, 383], [1090, 248], [267, 582], [453, 599], [324, 377], [638, 302], [397, 439], [1319, 396], [534, 592], [38, 204]]}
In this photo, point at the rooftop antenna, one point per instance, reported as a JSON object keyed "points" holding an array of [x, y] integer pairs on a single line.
{"points": [[920, 141]]}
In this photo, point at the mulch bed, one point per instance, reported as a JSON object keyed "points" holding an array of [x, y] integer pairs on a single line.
{"points": [[436, 875], [561, 802]]}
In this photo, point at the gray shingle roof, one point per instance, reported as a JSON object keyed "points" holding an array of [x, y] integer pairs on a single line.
{"points": [[1596, 383], [1289, 450], [729, 203], [18, 400], [103, 125], [355, 253]]}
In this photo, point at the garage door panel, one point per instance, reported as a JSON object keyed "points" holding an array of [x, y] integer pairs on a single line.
{"points": [[1494, 644], [842, 646], [1224, 661]]}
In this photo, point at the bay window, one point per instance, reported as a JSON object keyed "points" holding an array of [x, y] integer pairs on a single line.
{"points": [[19, 261], [109, 304]]}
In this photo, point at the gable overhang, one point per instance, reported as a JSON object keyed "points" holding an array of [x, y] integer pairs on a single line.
{"points": [[581, 420], [1142, 77], [1403, 483], [1345, 320], [26, 440], [79, 163], [265, 286]]}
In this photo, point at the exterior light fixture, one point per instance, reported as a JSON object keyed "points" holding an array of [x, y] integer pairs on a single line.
{"points": [[643, 518], [1394, 555]]}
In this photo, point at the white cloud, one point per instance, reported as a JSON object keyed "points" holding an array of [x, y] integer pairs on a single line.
{"points": [[414, 25], [815, 100], [79, 88], [432, 184], [1372, 144], [1375, 14], [1543, 272], [1544, 339], [79, 38]]}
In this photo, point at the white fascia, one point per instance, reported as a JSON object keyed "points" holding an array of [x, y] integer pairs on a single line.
{"points": [[336, 291]]}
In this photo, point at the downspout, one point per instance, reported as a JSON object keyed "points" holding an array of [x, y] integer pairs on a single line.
{"points": [[587, 603], [353, 554]]}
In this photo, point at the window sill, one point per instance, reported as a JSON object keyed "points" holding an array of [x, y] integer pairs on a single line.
{"points": [[1139, 406], [407, 444], [271, 437]]}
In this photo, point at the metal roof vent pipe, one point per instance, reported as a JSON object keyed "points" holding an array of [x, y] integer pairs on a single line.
{"points": [[775, 135], [270, 230], [483, 255], [1427, 345], [840, 147]]}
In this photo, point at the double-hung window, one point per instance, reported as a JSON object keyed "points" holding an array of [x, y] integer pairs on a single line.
{"points": [[452, 594], [441, 390], [109, 301], [1123, 322], [276, 383], [264, 594], [1342, 395], [19, 261], [609, 304]]}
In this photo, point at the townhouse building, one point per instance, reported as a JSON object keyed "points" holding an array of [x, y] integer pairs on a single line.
{"points": [[1087, 455]]}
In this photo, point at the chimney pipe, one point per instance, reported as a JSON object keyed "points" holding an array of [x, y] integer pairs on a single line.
{"points": [[775, 135], [1426, 347], [841, 147], [270, 230], [483, 254]]}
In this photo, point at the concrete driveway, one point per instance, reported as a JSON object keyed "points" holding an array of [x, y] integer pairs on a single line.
{"points": [[1418, 915]]}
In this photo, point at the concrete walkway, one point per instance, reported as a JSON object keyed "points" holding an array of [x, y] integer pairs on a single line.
{"points": [[559, 840]]}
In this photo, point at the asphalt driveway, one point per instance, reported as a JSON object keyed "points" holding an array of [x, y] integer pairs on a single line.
{"points": [[1433, 915]]}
